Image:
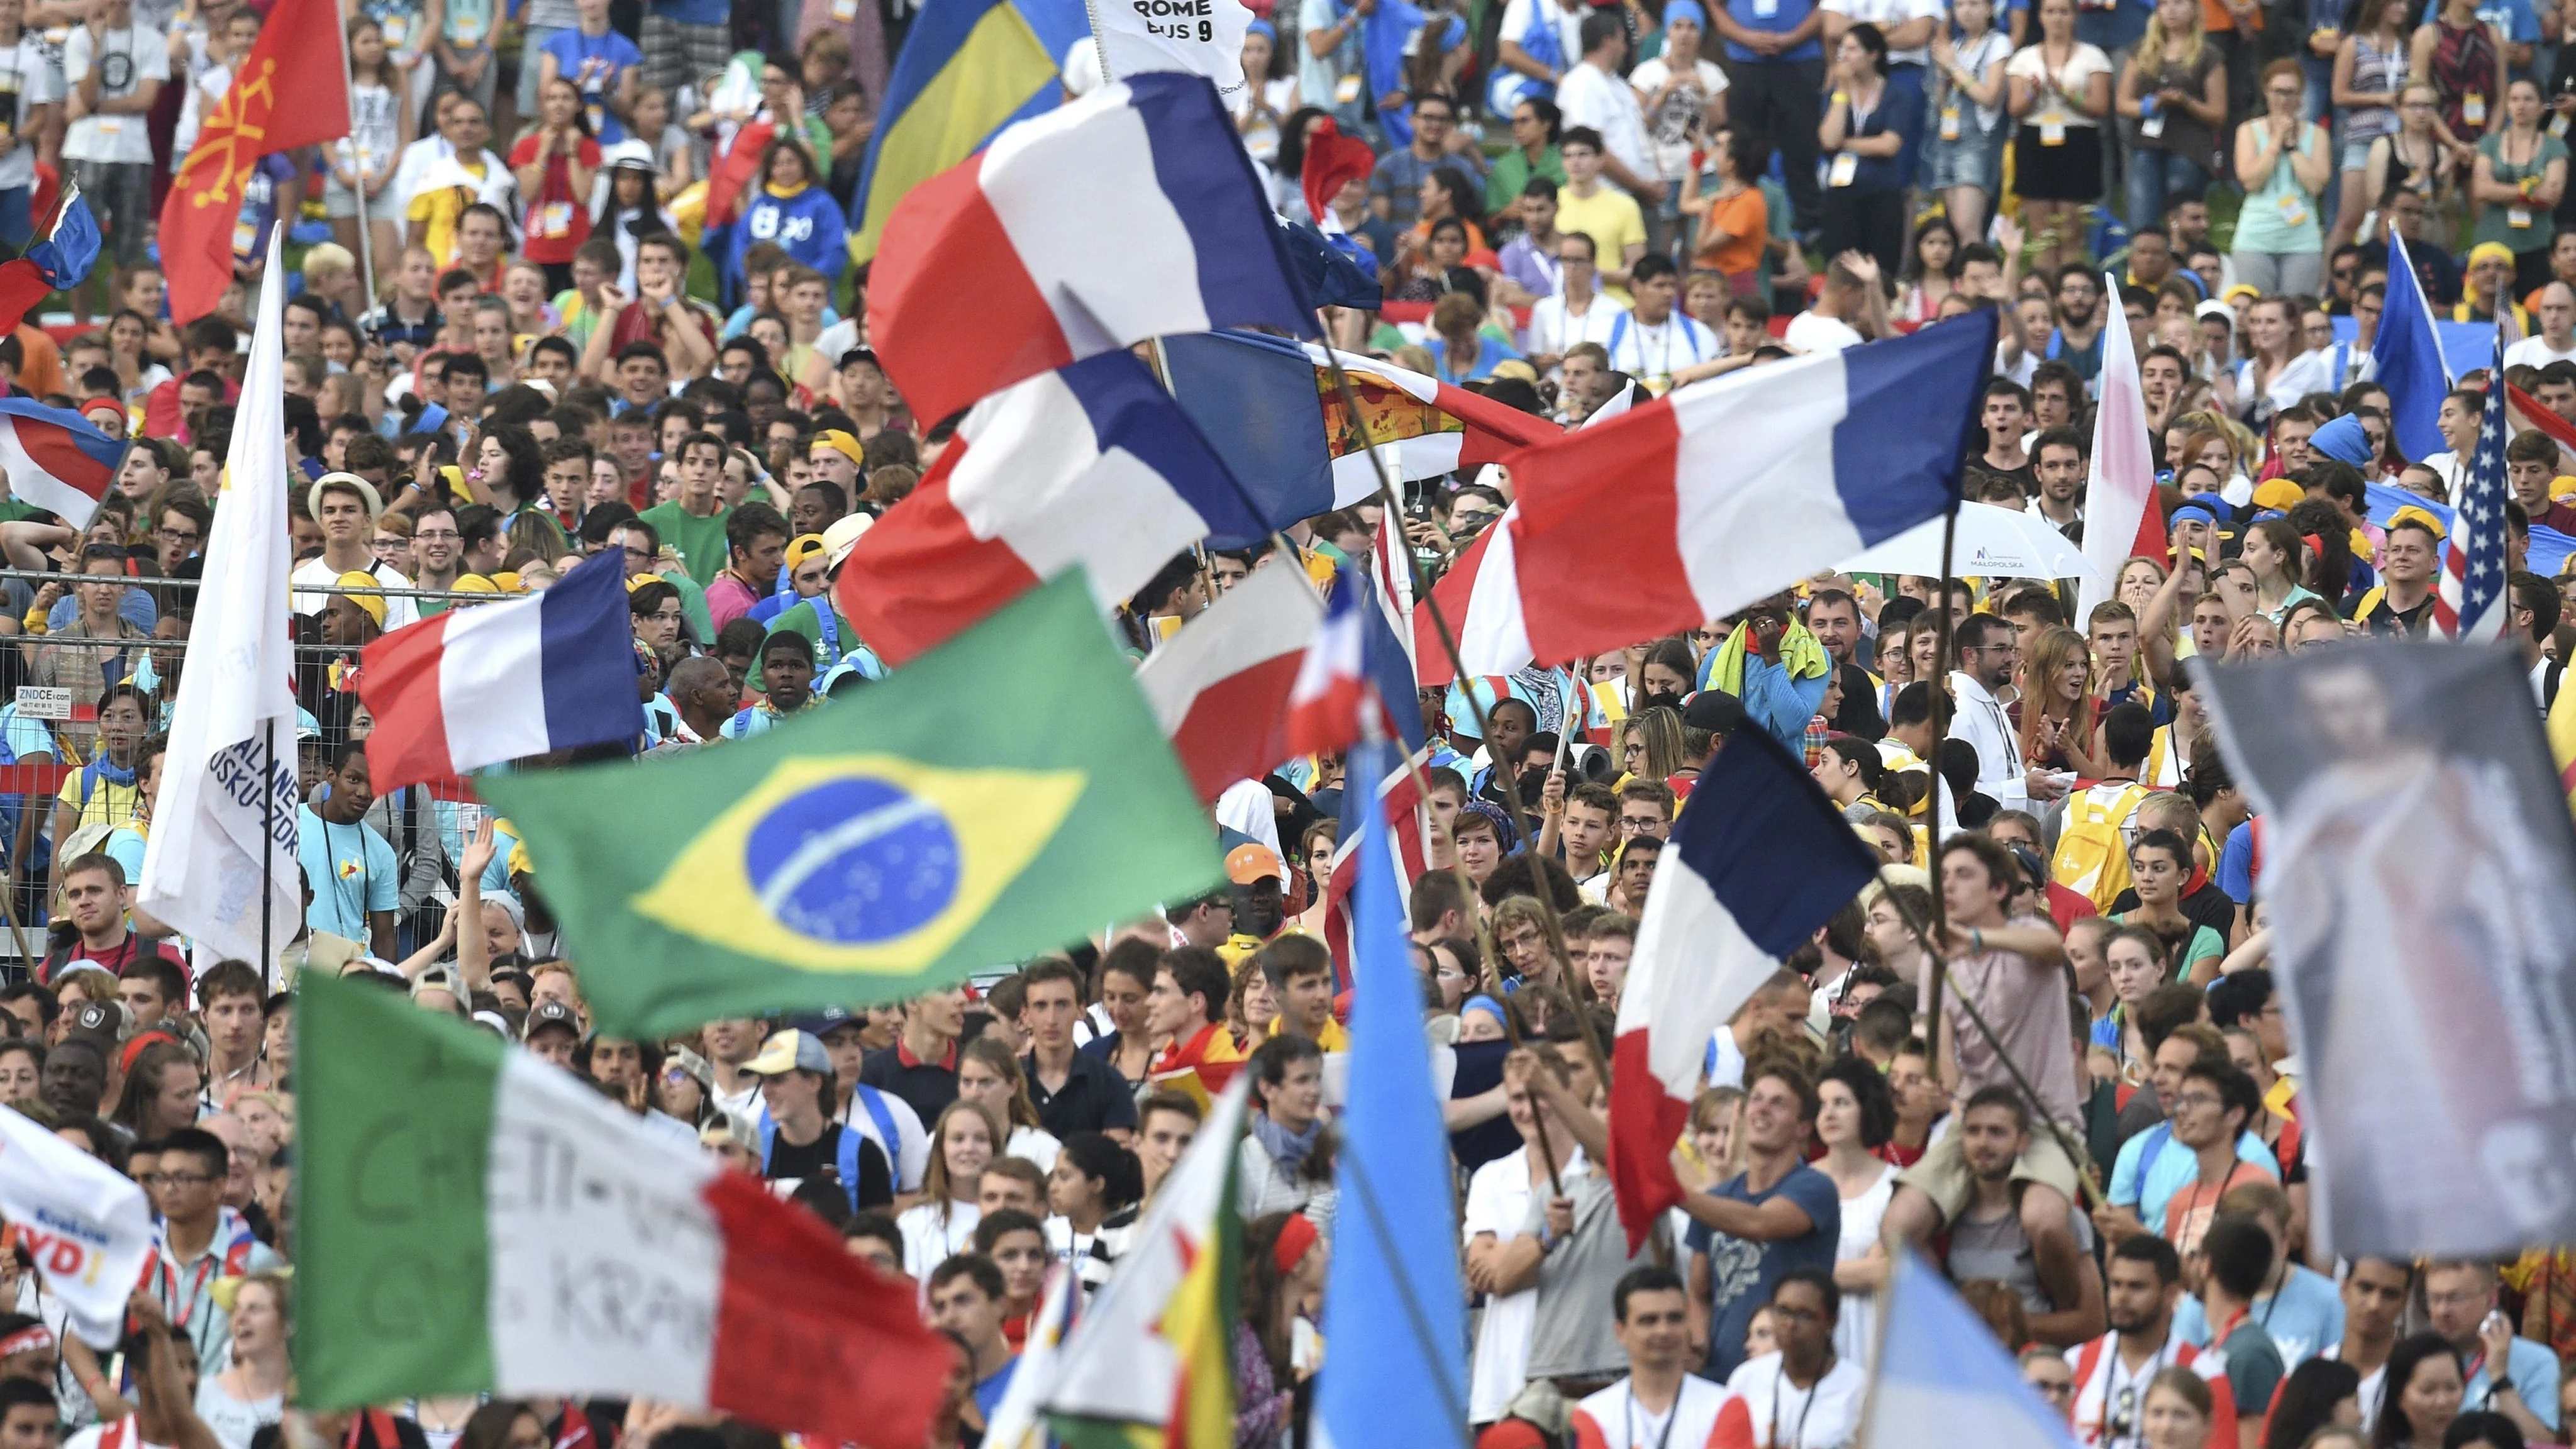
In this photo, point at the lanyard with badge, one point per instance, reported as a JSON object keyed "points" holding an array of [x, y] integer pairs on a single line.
{"points": [[1631, 1408], [1779, 1380]]}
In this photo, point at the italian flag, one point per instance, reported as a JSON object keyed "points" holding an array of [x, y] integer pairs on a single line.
{"points": [[471, 1219], [1150, 1365]]}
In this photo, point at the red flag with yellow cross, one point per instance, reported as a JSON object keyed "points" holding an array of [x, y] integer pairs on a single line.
{"points": [[292, 90]]}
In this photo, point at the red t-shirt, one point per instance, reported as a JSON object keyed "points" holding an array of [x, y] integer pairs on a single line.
{"points": [[557, 222]]}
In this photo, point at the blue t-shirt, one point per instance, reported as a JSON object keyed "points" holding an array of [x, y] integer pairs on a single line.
{"points": [[2114, 29], [1741, 1273], [1775, 15], [693, 12], [352, 871], [594, 63], [2152, 1167], [2533, 1371], [2304, 1319], [2513, 17], [988, 1394], [2236, 863]]}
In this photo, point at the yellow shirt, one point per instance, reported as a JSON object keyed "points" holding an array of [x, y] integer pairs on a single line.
{"points": [[439, 207], [1610, 217]]}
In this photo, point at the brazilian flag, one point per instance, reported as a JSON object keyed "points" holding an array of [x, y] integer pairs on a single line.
{"points": [[1003, 795]]}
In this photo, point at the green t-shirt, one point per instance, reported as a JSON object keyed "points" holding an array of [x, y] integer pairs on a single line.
{"points": [[2206, 945], [700, 541], [1512, 172]]}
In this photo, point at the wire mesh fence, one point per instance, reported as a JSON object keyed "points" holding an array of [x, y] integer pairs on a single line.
{"points": [[89, 672]]}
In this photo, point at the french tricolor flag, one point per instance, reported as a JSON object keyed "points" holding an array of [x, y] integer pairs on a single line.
{"points": [[1090, 464], [1334, 703], [55, 459], [1128, 214], [2120, 514], [1221, 685], [1725, 492], [1758, 860], [474, 687]]}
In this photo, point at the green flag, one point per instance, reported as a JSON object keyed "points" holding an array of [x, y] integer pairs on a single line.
{"points": [[1003, 795]]}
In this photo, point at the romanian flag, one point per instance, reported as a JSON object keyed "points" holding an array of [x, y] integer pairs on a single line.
{"points": [[2562, 741], [292, 91], [872, 848], [968, 68], [1149, 1365]]}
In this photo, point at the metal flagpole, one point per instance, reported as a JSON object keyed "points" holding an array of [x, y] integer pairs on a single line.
{"points": [[366, 242], [366, 239]]}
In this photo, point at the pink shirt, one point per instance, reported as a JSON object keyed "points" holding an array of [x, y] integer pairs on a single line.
{"points": [[728, 599]]}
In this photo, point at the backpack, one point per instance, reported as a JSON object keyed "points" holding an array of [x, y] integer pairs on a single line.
{"points": [[2092, 855], [891, 1143]]}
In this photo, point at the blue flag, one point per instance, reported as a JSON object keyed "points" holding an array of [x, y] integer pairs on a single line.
{"points": [[1943, 1377], [2409, 357], [1254, 398], [1393, 1311], [1335, 270], [66, 255]]}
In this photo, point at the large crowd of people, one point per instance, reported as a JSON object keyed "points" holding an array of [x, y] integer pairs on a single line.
{"points": [[637, 326]]}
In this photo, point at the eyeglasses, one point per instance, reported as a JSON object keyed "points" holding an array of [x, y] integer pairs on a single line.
{"points": [[178, 535], [437, 535]]}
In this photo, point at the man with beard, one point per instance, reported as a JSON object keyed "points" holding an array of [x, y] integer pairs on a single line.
{"points": [[2112, 1372], [1988, 1241], [2078, 340]]}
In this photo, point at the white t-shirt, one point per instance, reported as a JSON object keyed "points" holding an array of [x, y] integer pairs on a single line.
{"points": [[2087, 62], [24, 69], [928, 1241], [1034, 1145], [1569, 25], [314, 573], [1823, 1417], [1889, 14], [1551, 331], [1588, 97], [233, 1420], [1669, 126], [2535, 352], [207, 83], [1619, 1422], [1815, 332], [126, 58], [912, 1155], [1654, 354], [1498, 1202]]}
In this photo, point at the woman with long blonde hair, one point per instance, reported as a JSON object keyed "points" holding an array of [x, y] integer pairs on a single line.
{"points": [[2174, 86], [1650, 745], [2057, 714], [967, 1137]]}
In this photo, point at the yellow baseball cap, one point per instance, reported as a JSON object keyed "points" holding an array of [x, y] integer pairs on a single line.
{"points": [[838, 442], [2412, 514], [365, 593]]}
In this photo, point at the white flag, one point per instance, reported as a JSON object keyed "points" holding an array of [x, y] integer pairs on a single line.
{"points": [[2120, 517], [85, 1224], [1203, 37], [216, 833]]}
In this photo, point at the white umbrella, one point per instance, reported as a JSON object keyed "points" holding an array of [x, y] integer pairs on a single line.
{"points": [[1993, 542]]}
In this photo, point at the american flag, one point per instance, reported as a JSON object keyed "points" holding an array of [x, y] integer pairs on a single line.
{"points": [[2471, 602]]}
